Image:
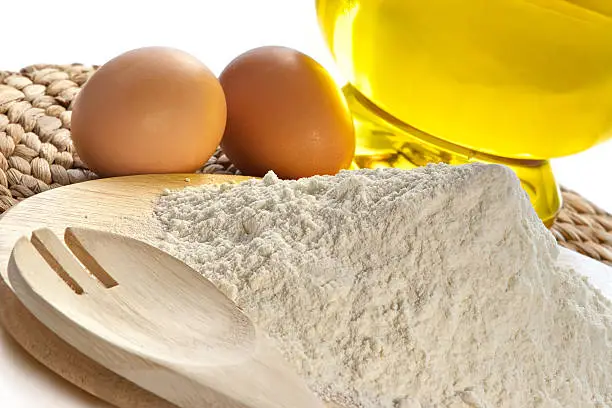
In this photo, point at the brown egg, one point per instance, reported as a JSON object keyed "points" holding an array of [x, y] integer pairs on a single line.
{"points": [[149, 110], [286, 114]]}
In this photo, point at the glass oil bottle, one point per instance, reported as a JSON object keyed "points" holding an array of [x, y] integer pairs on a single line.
{"points": [[515, 82]]}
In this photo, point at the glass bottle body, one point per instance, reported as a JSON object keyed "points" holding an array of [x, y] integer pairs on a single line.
{"points": [[516, 82]]}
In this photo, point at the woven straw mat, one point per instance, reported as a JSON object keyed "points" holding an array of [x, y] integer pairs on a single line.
{"points": [[37, 153]]}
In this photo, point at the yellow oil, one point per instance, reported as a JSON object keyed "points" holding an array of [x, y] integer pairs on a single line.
{"points": [[505, 81]]}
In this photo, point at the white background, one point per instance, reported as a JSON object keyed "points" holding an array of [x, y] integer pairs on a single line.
{"points": [[92, 32]]}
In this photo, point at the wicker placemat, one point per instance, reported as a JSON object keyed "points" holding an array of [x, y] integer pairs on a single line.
{"points": [[36, 153]]}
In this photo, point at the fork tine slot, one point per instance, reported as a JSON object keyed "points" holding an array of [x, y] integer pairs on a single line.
{"points": [[61, 260], [79, 243], [30, 272], [55, 265]]}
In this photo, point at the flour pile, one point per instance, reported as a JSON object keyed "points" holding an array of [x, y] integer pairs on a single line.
{"points": [[430, 288]]}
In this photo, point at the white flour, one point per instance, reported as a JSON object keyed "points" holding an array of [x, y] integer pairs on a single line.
{"points": [[430, 288]]}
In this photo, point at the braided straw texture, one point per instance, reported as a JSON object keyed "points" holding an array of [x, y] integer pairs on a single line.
{"points": [[584, 227], [36, 153]]}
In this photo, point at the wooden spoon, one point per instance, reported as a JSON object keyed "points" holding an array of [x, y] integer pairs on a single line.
{"points": [[153, 320]]}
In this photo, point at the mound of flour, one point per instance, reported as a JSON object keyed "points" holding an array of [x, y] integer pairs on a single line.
{"points": [[430, 288]]}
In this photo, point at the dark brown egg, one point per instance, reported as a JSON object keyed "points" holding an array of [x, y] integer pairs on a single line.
{"points": [[150, 110], [286, 114]]}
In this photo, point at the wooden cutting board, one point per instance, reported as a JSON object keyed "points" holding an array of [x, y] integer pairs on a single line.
{"points": [[116, 204]]}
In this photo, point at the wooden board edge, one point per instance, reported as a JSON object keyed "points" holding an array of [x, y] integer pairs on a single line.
{"points": [[62, 359]]}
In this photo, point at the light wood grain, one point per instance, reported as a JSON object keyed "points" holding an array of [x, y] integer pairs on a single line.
{"points": [[119, 204], [152, 319]]}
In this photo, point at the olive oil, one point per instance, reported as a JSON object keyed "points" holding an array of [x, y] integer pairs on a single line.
{"points": [[503, 81]]}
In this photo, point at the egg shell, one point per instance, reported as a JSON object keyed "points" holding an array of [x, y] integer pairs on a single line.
{"points": [[149, 110], [286, 114]]}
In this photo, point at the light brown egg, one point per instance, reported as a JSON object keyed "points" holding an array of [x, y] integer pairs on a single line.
{"points": [[285, 114], [149, 110]]}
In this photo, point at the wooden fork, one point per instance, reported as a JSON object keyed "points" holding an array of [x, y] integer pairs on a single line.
{"points": [[153, 320]]}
